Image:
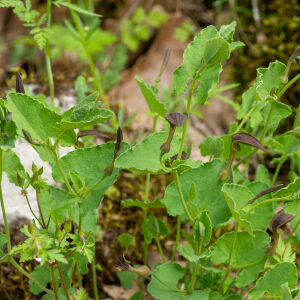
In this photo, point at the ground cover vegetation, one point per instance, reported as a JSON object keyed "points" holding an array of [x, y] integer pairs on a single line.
{"points": [[229, 241]]}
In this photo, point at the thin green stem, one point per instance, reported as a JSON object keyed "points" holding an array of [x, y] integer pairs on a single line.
{"points": [[21, 270], [54, 286], [63, 174], [182, 198], [78, 275], [287, 86], [230, 255], [35, 216], [96, 297], [47, 54], [40, 209], [95, 185], [160, 250], [265, 202], [188, 108], [2, 205], [97, 80], [278, 167], [178, 226], [195, 269], [146, 200], [63, 280]]}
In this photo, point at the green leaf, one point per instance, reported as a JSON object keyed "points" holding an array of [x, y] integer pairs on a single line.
{"points": [[137, 203], [187, 251], [280, 111], [9, 136], [203, 220], [237, 197], [84, 114], [3, 241], [150, 95], [289, 190], [208, 194], [216, 50], [269, 79], [273, 279], [126, 278], [209, 78], [212, 145], [146, 155], [42, 274], [248, 249], [192, 58], [12, 166], [261, 218], [89, 164], [156, 18], [165, 288], [154, 228], [126, 240], [31, 115], [81, 88], [227, 31], [247, 103], [249, 274], [262, 175], [79, 9]]}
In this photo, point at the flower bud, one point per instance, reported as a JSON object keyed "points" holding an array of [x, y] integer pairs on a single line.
{"points": [[58, 233], [297, 132], [68, 226]]}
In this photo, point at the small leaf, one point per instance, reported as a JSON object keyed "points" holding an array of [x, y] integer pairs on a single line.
{"points": [[78, 9], [212, 145], [188, 252], [137, 203], [151, 97], [126, 240]]}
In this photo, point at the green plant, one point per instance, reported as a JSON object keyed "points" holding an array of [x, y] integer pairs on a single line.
{"points": [[209, 197], [222, 213]]}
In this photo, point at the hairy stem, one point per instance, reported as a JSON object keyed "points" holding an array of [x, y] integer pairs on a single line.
{"points": [[35, 216], [40, 210], [63, 280], [195, 269]]}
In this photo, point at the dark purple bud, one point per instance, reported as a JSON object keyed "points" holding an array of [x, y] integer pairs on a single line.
{"points": [[118, 142], [19, 84], [248, 139], [176, 119], [184, 156], [28, 138], [280, 219]]}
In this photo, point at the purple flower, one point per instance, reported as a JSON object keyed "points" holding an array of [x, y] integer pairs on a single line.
{"points": [[83, 240]]}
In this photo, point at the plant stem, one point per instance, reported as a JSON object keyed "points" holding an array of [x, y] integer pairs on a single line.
{"points": [[64, 175], [286, 87], [188, 108], [97, 80], [95, 277], [146, 200], [54, 286], [47, 54], [78, 274], [40, 210], [282, 160], [63, 280], [265, 202], [195, 269], [2, 205], [230, 255], [178, 226], [21, 270], [32, 211], [182, 198], [160, 250]]}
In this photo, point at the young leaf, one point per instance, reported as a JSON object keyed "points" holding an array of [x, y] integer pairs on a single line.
{"points": [[216, 50], [43, 275], [187, 251], [76, 8], [269, 79], [126, 240], [150, 95], [273, 279], [212, 145]]}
